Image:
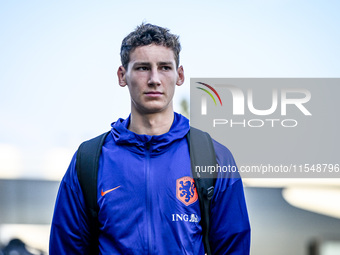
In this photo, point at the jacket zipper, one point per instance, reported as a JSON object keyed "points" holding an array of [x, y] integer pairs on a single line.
{"points": [[148, 200]]}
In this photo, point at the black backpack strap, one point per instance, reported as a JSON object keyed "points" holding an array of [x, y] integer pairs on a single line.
{"points": [[87, 164], [202, 153]]}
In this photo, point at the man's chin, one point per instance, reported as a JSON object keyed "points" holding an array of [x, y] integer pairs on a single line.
{"points": [[156, 110]]}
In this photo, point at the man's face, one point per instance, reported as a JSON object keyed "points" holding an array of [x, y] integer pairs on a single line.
{"points": [[151, 77]]}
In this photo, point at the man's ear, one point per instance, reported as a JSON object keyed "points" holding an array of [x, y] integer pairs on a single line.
{"points": [[180, 76], [121, 73]]}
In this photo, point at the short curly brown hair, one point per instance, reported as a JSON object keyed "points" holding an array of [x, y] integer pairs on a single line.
{"points": [[146, 34]]}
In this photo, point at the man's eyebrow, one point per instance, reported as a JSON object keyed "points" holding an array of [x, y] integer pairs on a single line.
{"points": [[165, 63], [161, 63], [141, 63]]}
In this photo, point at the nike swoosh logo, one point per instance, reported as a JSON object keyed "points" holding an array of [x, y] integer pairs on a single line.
{"points": [[103, 193]]}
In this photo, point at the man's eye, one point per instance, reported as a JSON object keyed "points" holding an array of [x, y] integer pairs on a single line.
{"points": [[166, 68], [142, 68]]}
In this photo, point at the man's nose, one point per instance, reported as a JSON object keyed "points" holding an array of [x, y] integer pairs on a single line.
{"points": [[154, 78]]}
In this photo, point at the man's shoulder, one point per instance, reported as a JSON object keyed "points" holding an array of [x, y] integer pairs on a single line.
{"points": [[224, 156], [220, 148]]}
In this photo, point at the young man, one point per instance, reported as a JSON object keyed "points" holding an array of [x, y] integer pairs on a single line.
{"points": [[147, 199]]}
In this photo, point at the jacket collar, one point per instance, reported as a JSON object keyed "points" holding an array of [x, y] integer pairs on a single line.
{"points": [[123, 136]]}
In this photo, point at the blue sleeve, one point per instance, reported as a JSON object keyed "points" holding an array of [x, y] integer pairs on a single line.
{"points": [[229, 222], [69, 231]]}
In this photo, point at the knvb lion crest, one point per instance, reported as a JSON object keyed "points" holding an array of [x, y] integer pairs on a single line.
{"points": [[186, 190]]}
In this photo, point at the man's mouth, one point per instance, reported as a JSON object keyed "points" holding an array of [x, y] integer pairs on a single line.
{"points": [[153, 93]]}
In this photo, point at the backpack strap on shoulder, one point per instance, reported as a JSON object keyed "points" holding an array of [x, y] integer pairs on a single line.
{"points": [[87, 163], [202, 155]]}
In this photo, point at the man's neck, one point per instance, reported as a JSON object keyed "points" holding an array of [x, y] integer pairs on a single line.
{"points": [[151, 124]]}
